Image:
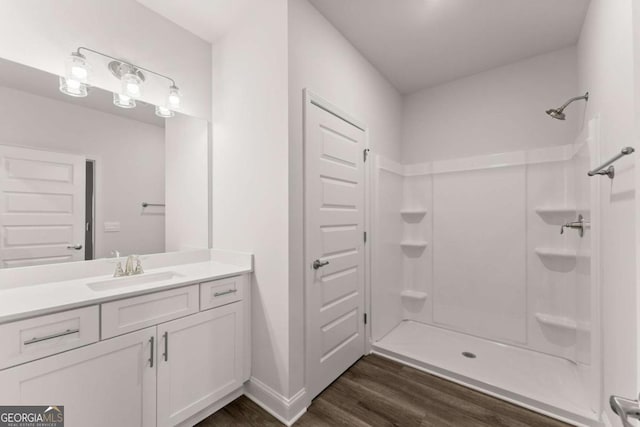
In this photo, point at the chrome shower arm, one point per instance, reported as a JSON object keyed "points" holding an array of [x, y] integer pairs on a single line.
{"points": [[576, 98]]}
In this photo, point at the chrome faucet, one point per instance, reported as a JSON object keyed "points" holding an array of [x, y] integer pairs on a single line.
{"points": [[129, 269], [119, 272], [578, 225], [625, 409]]}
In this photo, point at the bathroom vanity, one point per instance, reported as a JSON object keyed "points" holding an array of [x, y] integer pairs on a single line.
{"points": [[165, 348]]}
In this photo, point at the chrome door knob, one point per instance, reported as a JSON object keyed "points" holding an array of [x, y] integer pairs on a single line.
{"points": [[317, 264]]}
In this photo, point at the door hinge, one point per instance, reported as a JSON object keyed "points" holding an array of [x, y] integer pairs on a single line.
{"points": [[365, 154], [365, 318], [365, 237]]}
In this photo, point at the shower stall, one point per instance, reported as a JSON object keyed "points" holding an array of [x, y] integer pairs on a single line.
{"points": [[485, 273]]}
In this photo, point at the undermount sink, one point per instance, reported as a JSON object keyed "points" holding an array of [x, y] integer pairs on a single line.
{"points": [[121, 282]]}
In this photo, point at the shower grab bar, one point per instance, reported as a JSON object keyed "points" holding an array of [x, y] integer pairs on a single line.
{"points": [[610, 171]]}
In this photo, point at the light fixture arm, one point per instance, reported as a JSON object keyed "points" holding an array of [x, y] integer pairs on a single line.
{"points": [[173, 83]]}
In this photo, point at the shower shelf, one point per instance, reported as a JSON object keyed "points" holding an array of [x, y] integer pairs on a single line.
{"points": [[409, 294], [413, 213], [556, 210], [413, 244], [560, 322], [559, 253]]}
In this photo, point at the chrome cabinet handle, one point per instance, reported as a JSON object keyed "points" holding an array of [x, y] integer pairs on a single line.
{"points": [[317, 264], [166, 346], [52, 336], [75, 247], [230, 291], [151, 342]]}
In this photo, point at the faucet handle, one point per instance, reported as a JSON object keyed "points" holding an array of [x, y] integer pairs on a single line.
{"points": [[138, 269], [119, 272]]}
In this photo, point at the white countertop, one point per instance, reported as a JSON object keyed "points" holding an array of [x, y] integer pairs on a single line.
{"points": [[38, 299]]}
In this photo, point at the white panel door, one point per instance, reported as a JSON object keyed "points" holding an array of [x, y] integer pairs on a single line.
{"points": [[111, 383], [42, 209], [334, 240], [200, 360]]}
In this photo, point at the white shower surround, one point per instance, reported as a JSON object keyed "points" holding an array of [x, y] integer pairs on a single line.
{"points": [[540, 303]]}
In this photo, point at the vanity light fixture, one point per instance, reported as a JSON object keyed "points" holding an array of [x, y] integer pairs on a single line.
{"points": [[131, 76], [164, 112], [174, 97], [123, 101], [74, 82]]}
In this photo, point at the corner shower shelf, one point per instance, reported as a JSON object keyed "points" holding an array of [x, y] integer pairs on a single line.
{"points": [[559, 253], [556, 210], [417, 295], [413, 213], [560, 322], [411, 244]]}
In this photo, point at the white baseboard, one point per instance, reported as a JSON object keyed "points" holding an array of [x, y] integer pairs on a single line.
{"points": [[286, 410]]}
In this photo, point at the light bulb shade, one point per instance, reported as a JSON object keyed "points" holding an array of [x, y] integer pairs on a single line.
{"points": [[73, 87], [131, 85], [123, 101], [164, 112], [77, 68], [173, 100]]}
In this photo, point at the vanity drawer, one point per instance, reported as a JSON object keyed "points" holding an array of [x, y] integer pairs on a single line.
{"points": [[30, 339], [221, 292], [128, 315]]}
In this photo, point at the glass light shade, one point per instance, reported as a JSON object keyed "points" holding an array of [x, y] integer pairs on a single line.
{"points": [[173, 100], [77, 68], [164, 112], [123, 101], [73, 87], [131, 85]]}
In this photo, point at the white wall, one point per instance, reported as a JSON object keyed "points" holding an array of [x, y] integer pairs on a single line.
{"points": [[322, 60], [251, 174], [187, 187], [495, 111], [42, 34], [606, 70], [130, 161]]}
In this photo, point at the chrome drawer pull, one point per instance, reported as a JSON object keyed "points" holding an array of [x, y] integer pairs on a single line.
{"points": [[230, 291], [166, 346], [151, 346], [52, 336]]}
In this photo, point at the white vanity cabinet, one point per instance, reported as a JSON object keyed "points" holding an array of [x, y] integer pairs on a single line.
{"points": [[199, 362], [110, 383], [163, 359]]}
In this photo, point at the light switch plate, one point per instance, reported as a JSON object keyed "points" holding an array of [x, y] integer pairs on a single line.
{"points": [[111, 227]]}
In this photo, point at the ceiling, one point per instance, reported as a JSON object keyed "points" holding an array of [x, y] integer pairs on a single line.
{"points": [[207, 19], [416, 44], [41, 83]]}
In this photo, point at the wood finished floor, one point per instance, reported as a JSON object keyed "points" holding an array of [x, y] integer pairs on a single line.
{"points": [[379, 392]]}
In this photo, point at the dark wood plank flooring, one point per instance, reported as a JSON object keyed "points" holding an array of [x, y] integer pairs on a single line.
{"points": [[379, 392]]}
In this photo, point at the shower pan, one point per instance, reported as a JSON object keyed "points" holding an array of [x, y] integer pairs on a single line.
{"points": [[495, 297]]}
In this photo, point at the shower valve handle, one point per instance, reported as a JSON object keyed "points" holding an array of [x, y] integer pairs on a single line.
{"points": [[578, 225]]}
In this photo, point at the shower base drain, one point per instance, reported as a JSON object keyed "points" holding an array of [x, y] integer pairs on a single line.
{"points": [[468, 355]]}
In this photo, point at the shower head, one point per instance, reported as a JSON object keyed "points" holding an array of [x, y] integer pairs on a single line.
{"points": [[558, 113]]}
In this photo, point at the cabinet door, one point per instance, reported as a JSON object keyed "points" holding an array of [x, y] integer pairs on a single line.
{"points": [[110, 383], [200, 360]]}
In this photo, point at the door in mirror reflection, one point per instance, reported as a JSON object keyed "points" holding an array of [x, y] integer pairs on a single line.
{"points": [[42, 207]]}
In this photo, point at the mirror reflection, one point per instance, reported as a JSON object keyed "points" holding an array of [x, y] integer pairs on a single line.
{"points": [[81, 178]]}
